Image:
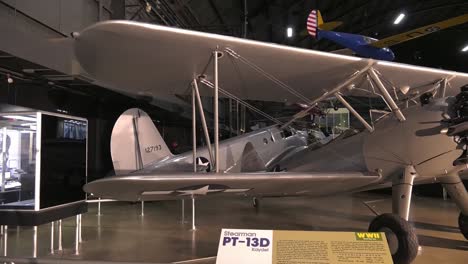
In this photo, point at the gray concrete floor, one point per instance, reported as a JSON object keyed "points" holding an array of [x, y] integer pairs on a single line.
{"points": [[122, 234]]}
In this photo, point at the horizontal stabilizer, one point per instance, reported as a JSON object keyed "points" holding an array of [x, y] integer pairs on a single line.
{"points": [[330, 25], [186, 185]]}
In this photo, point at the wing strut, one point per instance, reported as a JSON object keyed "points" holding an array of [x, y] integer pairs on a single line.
{"points": [[268, 75], [354, 112], [216, 110], [388, 98], [194, 133], [202, 119], [443, 87], [333, 91], [242, 102]]}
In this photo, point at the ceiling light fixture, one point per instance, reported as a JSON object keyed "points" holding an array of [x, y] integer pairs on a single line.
{"points": [[289, 32], [399, 18], [465, 49], [148, 7], [9, 79]]}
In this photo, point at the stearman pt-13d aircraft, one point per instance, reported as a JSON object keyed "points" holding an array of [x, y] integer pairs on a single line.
{"points": [[420, 138], [370, 47]]}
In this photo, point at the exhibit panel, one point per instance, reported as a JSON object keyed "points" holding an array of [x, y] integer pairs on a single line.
{"points": [[63, 160]]}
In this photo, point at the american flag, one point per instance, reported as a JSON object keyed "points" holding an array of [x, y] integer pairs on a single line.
{"points": [[312, 23]]}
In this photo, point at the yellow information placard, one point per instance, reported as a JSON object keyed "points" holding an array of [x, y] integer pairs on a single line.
{"points": [[312, 247], [302, 247]]}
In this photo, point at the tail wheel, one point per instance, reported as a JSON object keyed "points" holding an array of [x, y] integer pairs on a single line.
{"points": [[463, 224], [401, 237]]}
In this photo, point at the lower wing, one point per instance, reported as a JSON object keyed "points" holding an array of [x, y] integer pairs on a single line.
{"points": [[185, 186]]}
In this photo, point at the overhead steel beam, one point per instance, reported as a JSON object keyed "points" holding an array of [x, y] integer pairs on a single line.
{"points": [[246, 19], [218, 14], [261, 8], [136, 13]]}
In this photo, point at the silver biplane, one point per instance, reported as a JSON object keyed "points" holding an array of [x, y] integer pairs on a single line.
{"points": [[420, 139]]}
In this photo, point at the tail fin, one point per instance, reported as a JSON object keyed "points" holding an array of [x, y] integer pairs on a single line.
{"points": [[319, 18], [136, 142], [315, 23]]}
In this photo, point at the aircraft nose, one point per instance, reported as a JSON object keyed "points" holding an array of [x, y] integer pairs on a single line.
{"points": [[457, 124]]}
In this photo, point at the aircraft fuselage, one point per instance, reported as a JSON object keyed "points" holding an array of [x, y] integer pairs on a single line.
{"points": [[255, 151], [359, 44], [391, 147]]}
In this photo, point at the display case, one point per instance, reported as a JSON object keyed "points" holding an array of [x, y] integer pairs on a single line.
{"points": [[44, 161]]}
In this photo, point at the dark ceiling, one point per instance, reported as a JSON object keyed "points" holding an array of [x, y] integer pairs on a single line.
{"points": [[268, 19]]}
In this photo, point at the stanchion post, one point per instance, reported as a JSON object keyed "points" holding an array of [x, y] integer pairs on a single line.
{"points": [[52, 226], [80, 238], [60, 235], [5, 240], [77, 231], [35, 242], [193, 214], [183, 211], [99, 207]]}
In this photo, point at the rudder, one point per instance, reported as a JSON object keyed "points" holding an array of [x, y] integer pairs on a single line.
{"points": [[315, 23], [312, 23]]}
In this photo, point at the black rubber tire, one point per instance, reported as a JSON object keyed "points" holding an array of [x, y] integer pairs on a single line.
{"points": [[405, 233], [463, 225]]}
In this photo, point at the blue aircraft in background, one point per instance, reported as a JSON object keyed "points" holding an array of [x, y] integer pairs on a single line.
{"points": [[370, 47]]}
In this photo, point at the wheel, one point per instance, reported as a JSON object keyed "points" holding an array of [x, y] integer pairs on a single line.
{"points": [[255, 202], [463, 224], [401, 237]]}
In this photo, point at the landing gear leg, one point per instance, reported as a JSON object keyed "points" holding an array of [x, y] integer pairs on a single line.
{"points": [[401, 236], [457, 192], [255, 202]]}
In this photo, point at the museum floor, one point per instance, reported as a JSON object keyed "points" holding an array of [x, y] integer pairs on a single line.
{"points": [[122, 234]]}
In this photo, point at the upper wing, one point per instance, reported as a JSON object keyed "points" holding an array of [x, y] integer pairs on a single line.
{"points": [[185, 186], [144, 59], [419, 32]]}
